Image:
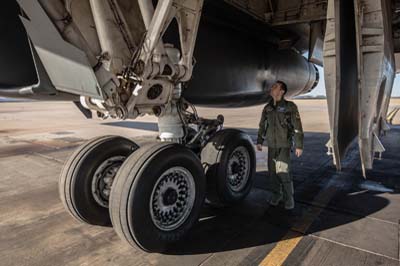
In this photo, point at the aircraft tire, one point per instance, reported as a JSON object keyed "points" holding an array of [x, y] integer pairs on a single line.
{"points": [[157, 196], [229, 164], [86, 178]]}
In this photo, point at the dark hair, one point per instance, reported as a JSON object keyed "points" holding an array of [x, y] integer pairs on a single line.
{"points": [[283, 86]]}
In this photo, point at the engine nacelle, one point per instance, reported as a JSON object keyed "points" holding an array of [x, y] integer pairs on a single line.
{"points": [[238, 61]]}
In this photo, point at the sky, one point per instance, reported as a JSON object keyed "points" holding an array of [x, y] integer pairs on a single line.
{"points": [[320, 89]]}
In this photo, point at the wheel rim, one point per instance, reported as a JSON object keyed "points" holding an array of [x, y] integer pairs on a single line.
{"points": [[238, 169], [172, 199], [103, 179]]}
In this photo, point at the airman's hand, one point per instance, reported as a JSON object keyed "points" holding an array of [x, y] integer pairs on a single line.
{"points": [[299, 152], [259, 147]]}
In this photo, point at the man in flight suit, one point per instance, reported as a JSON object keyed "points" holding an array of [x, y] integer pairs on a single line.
{"points": [[280, 125]]}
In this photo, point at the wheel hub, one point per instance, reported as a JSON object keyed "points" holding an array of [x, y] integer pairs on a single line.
{"points": [[103, 179], [238, 169], [235, 168], [172, 198]]}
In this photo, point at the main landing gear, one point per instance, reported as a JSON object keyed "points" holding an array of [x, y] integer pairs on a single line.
{"points": [[152, 195]]}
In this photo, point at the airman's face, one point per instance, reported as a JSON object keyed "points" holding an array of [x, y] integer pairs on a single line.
{"points": [[276, 91]]}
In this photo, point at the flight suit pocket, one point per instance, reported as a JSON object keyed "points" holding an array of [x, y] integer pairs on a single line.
{"points": [[281, 167]]}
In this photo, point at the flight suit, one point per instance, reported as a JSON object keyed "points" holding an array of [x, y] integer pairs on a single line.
{"points": [[280, 126]]}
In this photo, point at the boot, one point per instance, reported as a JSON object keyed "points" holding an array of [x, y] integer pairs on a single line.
{"points": [[288, 191], [275, 199], [289, 204]]}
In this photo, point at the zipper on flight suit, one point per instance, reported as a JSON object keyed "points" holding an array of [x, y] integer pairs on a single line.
{"points": [[275, 116]]}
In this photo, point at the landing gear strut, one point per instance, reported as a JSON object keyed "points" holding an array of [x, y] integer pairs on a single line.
{"points": [[153, 194]]}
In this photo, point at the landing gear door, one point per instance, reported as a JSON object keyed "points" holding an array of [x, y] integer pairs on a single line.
{"points": [[340, 63], [66, 66]]}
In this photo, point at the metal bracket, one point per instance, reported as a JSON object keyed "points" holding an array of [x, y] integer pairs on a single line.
{"points": [[157, 69], [187, 14], [378, 147], [330, 151]]}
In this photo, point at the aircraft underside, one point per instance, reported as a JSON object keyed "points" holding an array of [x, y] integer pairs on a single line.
{"points": [[124, 59]]}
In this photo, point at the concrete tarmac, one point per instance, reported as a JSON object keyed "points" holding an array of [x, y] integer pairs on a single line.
{"points": [[341, 218]]}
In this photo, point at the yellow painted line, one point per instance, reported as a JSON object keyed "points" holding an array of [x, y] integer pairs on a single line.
{"points": [[288, 243], [281, 251]]}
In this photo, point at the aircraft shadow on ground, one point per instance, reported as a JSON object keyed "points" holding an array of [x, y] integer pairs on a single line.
{"points": [[252, 223]]}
